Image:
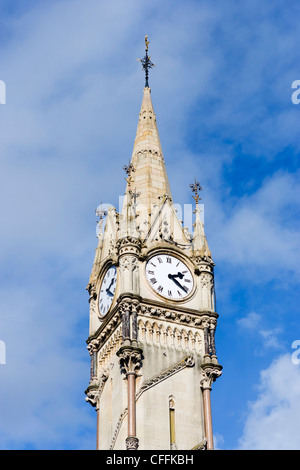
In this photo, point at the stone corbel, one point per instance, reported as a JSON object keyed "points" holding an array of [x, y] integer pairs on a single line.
{"points": [[92, 397]]}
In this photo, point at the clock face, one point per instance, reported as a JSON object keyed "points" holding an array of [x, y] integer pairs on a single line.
{"points": [[107, 290], [169, 277]]}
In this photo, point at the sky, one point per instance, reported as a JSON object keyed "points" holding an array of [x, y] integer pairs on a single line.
{"points": [[222, 93]]}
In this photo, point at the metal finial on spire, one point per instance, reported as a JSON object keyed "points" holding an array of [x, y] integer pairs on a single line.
{"points": [[100, 212], [195, 188], [146, 62], [129, 170]]}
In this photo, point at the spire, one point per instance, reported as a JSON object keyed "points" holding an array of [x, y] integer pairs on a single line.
{"points": [[149, 179]]}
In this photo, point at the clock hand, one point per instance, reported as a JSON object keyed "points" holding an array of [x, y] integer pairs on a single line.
{"points": [[180, 275], [108, 289], [173, 276]]}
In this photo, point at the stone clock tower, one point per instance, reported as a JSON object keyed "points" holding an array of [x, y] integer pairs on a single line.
{"points": [[152, 312]]}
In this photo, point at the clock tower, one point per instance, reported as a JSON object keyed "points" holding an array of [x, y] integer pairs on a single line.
{"points": [[152, 311]]}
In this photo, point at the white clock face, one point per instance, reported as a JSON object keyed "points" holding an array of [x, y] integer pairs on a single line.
{"points": [[169, 277], [107, 290]]}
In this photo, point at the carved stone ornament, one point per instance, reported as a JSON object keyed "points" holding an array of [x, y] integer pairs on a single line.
{"points": [[130, 358], [201, 446], [93, 346], [206, 279], [92, 397], [132, 443], [209, 374], [128, 244]]}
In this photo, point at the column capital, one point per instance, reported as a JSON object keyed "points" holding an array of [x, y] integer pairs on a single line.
{"points": [[132, 443], [210, 372], [130, 358]]}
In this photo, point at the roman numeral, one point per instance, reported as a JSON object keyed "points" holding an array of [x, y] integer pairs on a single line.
{"points": [[169, 260], [169, 293], [153, 280], [150, 272], [159, 260], [160, 288]]}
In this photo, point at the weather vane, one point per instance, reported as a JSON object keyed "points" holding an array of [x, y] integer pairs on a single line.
{"points": [[195, 188], [146, 62], [129, 170]]}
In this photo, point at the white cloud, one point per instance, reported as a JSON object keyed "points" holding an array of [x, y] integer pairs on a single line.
{"points": [[254, 324], [273, 418], [261, 229], [250, 321]]}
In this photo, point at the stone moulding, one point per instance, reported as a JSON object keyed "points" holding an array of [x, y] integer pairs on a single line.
{"points": [[189, 318], [201, 446], [188, 361]]}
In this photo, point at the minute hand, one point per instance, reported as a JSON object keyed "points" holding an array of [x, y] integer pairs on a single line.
{"points": [[173, 276], [108, 289]]}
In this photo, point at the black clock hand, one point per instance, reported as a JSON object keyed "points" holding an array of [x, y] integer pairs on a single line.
{"points": [[108, 289], [173, 276], [180, 275]]}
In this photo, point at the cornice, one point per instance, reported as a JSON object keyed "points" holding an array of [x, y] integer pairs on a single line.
{"points": [[155, 310]]}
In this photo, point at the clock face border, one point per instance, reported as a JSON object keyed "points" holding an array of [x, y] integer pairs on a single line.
{"points": [[174, 280], [108, 298]]}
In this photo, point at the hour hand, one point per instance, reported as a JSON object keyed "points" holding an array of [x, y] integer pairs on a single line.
{"points": [[180, 275]]}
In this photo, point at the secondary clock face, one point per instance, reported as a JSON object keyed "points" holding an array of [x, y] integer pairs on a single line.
{"points": [[107, 290], [169, 277]]}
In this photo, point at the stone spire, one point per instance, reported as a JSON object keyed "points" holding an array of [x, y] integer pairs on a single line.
{"points": [[200, 245], [150, 178]]}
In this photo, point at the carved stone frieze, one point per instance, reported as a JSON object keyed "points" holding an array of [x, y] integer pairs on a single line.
{"points": [[178, 317]]}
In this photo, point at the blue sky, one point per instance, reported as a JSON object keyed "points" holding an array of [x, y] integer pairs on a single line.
{"points": [[221, 90]]}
